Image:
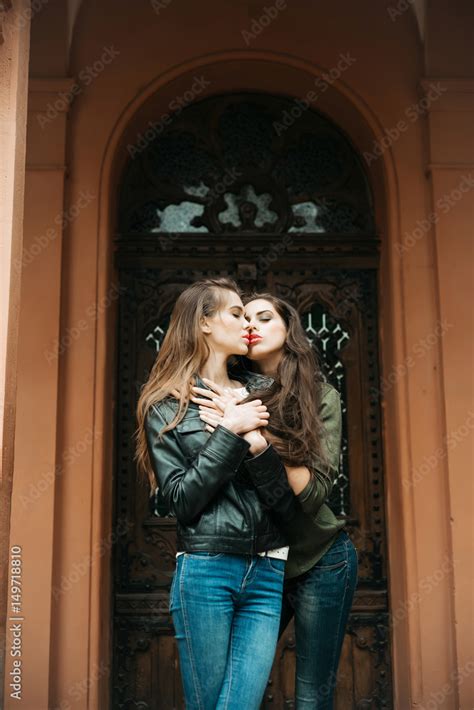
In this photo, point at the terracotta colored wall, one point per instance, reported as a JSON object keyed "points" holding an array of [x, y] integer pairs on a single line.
{"points": [[14, 53], [154, 57], [38, 419], [452, 184]]}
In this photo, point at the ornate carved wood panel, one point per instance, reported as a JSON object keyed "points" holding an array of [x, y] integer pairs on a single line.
{"points": [[295, 219]]}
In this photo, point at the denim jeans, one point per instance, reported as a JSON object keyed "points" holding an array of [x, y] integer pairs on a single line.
{"points": [[320, 600], [226, 613]]}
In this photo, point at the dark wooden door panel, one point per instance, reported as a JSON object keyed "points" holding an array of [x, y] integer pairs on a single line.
{"points": [[338, 310], [226, 189]]}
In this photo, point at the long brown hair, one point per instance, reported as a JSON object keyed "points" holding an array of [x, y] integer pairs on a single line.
{"points": [[182, 355], [294, 429]]}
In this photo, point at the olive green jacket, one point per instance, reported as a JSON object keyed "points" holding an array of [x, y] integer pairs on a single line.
{"points": [[312, 530]]}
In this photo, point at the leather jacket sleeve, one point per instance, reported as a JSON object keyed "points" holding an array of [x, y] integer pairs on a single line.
{"points": [[321, 482], [187, 487], [268, 475]]}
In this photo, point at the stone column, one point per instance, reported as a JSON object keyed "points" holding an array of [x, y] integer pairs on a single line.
{"points": [[451, 169], [37, 461], [14, 57]]}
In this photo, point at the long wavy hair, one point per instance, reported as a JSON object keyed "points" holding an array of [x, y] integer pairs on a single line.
{"points": [[183, 353], [294, 429]]}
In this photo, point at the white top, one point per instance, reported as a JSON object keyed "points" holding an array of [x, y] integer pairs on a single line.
{"points": [[280, 552], [241, 390]]}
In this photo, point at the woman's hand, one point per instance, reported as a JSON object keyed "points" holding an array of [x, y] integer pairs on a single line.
{"points": [[238, 418], [255, 437], [216, 397], [257, 441], [211, 404], [211, 417], [241, 418], [208, 400], [219, 405]]}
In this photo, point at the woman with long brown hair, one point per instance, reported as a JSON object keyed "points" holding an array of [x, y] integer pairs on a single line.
{"points": [[226, 592], [305, 428]]}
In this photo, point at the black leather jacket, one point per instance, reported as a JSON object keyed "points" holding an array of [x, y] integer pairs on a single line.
{"points": [[224, 499]]}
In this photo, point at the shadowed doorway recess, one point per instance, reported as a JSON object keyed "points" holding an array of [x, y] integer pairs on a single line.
{"points": [[236, 185]]}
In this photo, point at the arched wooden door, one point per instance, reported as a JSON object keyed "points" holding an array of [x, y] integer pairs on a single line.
{"points": [[237, 185]]}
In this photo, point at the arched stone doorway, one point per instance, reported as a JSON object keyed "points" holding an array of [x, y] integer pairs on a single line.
{"points": [[269, 191]]}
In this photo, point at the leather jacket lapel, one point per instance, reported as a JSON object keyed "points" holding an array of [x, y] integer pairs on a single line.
{"points": [[251, 380]]}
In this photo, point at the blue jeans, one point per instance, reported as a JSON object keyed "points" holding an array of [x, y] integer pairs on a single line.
{"points": [[320, 600], [226, 614]]}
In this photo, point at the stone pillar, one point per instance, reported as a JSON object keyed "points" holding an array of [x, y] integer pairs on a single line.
{"points": [[37, 461], [451, 169], [14, 58]]}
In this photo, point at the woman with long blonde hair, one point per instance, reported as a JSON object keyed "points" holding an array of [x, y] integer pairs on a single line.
{"points": [[305, 428], [226, 592]]}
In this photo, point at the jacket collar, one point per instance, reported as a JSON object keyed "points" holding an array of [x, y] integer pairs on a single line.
{"points": [[251, 380], [254, 380]]}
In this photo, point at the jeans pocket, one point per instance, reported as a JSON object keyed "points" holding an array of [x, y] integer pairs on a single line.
{"points": [[205, 554], [276, 564], [336, 565], [334, 558]]}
